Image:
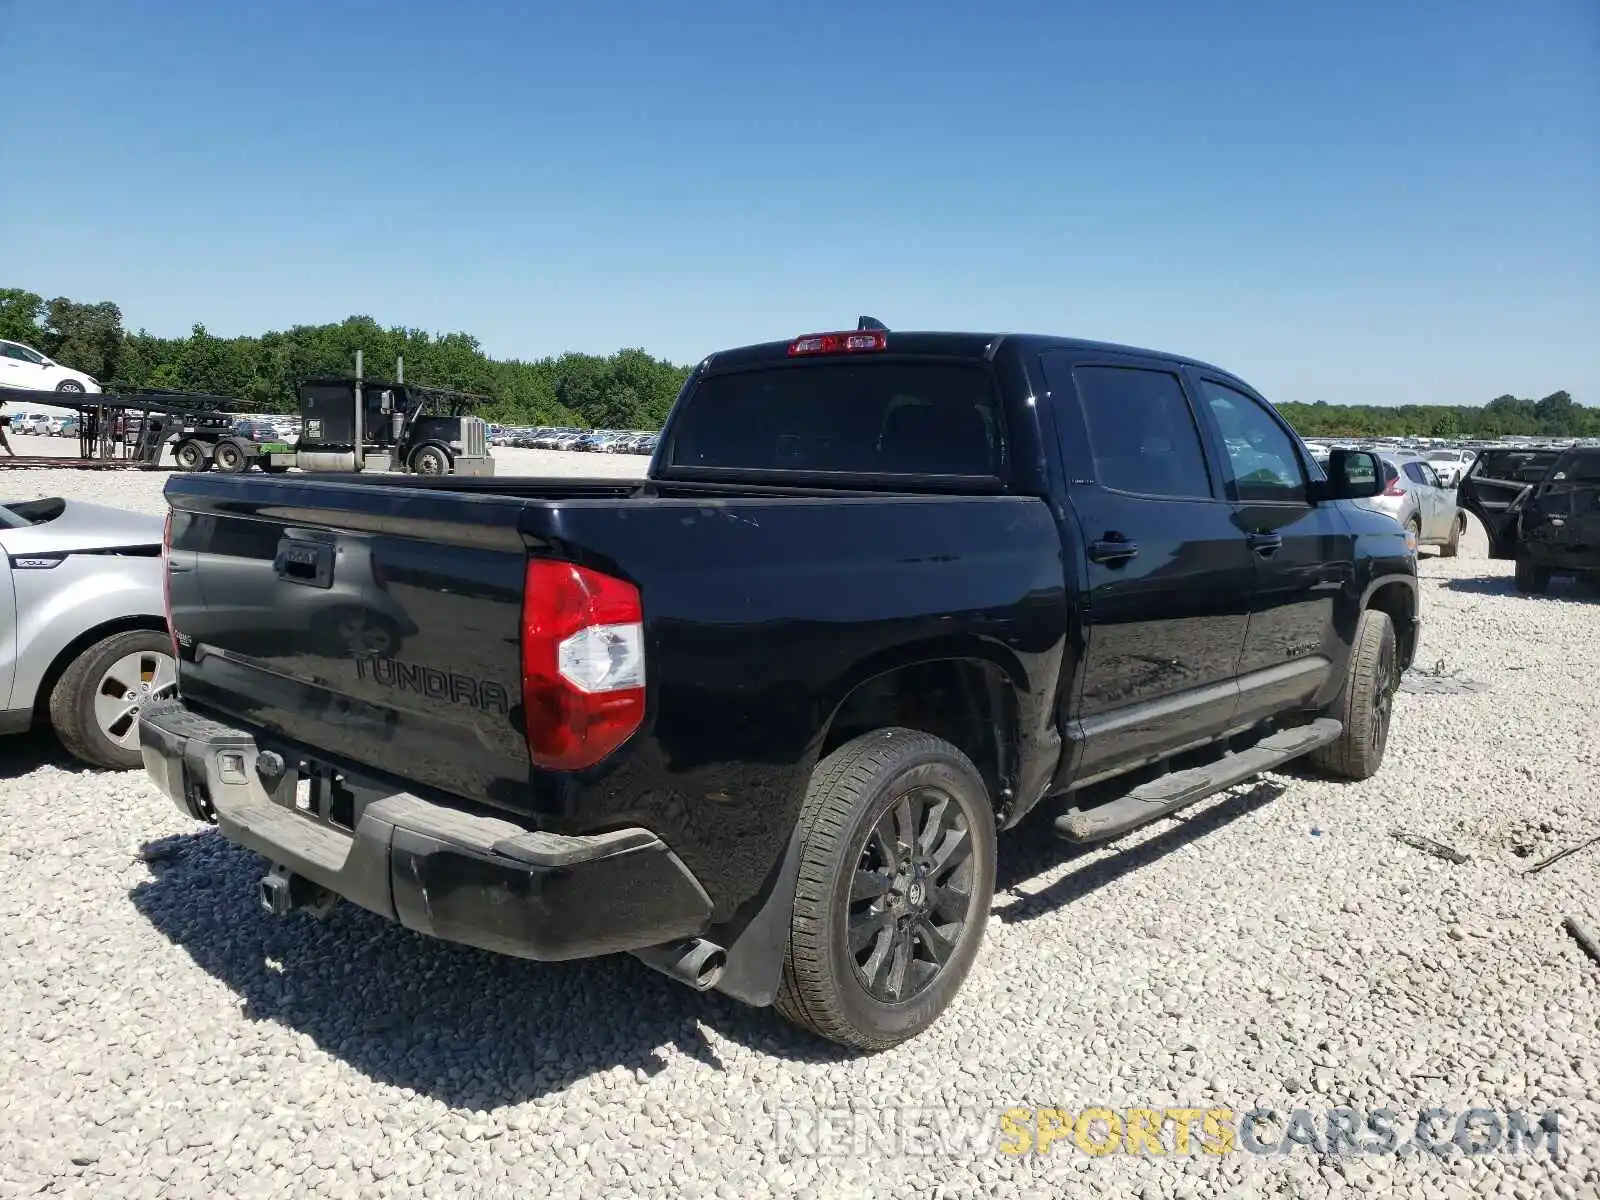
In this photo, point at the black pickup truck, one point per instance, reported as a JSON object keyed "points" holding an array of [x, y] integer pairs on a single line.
{"points": [[758, 718]]}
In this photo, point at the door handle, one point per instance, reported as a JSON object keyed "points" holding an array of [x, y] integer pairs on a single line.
{"points": [[1112, 550], [1265, 544]]}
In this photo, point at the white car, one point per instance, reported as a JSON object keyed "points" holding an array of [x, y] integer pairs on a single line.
{"points": [[1451, 465], [24, 367]]}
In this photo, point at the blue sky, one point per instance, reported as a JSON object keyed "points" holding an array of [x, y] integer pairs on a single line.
{"points": [[1383, 202]]}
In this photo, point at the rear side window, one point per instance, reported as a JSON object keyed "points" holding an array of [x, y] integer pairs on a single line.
{"points": [[866, 418], [1514, 466], [1581, 466], [1417, 474], [1142, 432]]}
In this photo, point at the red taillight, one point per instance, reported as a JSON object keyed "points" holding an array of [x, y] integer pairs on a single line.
{"points": [[838, 343], [166, 582], [1394, 487], [582, 664]]}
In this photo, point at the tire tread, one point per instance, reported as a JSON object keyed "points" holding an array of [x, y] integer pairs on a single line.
{"points": [[1351, 756], [72, 724], [840, 784]]}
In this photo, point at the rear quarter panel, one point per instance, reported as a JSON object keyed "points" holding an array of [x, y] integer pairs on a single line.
{"points": [[57, 605], [762, 615]]}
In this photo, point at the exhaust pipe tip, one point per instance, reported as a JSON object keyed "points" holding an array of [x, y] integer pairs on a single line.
{"points": [[694, 962]]}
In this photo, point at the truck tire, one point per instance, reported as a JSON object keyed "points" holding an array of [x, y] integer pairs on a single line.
{"points": [[1457, 531], [1531, 580], [881, 940], [430, 460], [1366, 703], [230, 458], [95, 705], [191, 456]]}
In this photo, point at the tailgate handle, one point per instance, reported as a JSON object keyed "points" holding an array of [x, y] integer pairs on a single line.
{"points": [[308, 563]]}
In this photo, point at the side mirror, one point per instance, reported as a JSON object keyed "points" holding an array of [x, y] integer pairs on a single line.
{"points": [[1353, 475]]}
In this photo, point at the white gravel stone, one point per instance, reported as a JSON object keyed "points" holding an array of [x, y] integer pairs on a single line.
{"points": [[161, 1036]]}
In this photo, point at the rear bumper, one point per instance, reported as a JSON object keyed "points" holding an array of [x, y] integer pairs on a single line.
{"points": [[450, 872]]}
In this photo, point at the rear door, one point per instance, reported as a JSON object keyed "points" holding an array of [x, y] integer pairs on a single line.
{"points": [[1493, 482], [1444, 502], [1303, 554], [1422, 481], [1168, 574]]}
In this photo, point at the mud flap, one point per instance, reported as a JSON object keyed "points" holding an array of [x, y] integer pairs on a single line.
{"points": [[755, 958]]}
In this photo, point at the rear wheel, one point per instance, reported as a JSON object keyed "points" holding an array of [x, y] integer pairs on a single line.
{"points": [[96, 703], [1531, 580], [1414, 534], [1453, 547], [230, 458], [190, 456], [1366, 703], [896, 875]]}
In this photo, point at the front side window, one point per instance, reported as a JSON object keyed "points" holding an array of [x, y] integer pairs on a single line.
{"points": [[1266, 466]]}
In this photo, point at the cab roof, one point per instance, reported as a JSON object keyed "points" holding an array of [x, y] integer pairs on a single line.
{"points": [[937, 344]]}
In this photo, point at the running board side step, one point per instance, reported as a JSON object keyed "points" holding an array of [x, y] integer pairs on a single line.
{"points": [[1166, 795]]}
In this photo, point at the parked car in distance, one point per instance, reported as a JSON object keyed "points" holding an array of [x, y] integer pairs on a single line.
{"points": [[24, 367], [1417, 499], [83, 643], [880, 595], [1451, 465], [1558, 522]]}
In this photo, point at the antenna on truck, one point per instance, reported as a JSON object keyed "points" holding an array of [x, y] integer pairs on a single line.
{"points": [[871, 324]]}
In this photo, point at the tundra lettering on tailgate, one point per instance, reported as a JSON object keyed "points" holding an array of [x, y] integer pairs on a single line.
{"points": [[485, 695]]}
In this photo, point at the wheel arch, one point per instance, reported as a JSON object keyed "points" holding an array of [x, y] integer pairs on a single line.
{"points": [[964, 697], [1397, 596], [65, 656]]}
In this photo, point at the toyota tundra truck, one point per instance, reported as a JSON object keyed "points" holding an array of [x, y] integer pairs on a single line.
{"points": [[758, 718]]}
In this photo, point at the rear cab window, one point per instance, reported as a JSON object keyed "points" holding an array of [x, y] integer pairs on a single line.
{"points": [[894, 417]]}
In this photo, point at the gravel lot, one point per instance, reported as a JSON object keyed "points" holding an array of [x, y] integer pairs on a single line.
{"points": [[160, 1035]]}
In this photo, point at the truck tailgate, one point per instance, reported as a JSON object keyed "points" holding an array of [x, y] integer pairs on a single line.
{"points": [[374, 623]]}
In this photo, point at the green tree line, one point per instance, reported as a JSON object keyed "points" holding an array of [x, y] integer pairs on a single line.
{"points": [[1556, 415], [627, 390]]}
